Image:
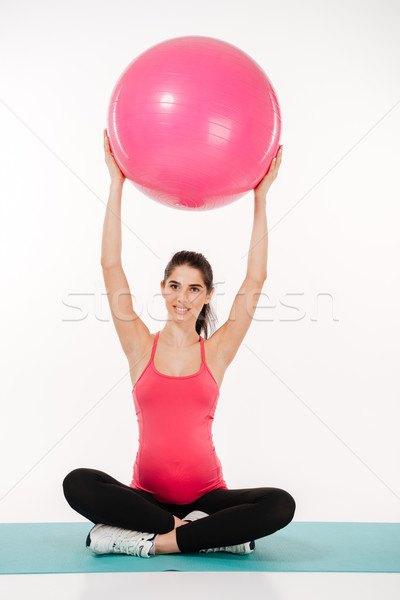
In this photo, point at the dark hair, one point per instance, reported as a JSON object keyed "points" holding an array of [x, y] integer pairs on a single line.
{"points": [[197, 261]]}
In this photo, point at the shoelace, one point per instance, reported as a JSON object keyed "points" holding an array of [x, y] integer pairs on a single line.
{"points": [[129, 546], [222, 549], [238, 547]]}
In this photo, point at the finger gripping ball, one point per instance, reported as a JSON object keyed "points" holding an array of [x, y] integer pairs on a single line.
{"points": [[194, 123]]}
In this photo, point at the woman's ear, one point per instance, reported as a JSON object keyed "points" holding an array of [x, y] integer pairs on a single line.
{"points": [[211, 295]]}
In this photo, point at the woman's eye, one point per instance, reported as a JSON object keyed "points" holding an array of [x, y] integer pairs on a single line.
{"points": [[173, 285]]}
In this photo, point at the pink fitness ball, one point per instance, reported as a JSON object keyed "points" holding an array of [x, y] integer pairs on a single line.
{"points": [[194, 123]]}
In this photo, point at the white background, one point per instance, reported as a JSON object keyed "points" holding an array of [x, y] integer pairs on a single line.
{"points": [[311, 401]]}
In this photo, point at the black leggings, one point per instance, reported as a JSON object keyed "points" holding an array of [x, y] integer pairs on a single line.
{"points": [[235, 516]]}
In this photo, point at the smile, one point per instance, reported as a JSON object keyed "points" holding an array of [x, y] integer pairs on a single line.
{"points": [[181, 310]]}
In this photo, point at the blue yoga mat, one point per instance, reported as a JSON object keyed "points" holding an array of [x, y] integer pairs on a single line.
{"points": [[301, 546]]}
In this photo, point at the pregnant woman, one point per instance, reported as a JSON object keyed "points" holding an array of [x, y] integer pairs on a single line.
{"points": [[178, 500]]}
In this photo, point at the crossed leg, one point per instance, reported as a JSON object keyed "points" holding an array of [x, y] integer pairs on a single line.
{"points": [[235, 515]]}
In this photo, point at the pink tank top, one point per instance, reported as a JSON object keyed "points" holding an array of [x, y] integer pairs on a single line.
{"points": [[176, 459]]}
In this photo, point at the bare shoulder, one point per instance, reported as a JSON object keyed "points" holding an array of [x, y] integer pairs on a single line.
{"points": [[143, 343], [214, 348], [215, 357], [228, 338]]}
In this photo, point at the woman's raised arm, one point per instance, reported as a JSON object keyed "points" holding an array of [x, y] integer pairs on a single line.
{"points": [[111, 243], [230, 335], [132, 332], [258, 253]]}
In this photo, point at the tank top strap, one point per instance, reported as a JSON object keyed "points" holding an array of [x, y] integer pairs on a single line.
{"points": [[154, 346], [203, 358]]}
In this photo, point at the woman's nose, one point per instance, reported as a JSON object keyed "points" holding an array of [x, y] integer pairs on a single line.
{"points": [[183, 298]]}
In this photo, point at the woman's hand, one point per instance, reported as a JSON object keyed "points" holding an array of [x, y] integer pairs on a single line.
{"points": [[262, 188], [115, 172]]}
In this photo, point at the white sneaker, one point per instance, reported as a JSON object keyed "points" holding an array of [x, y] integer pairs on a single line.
{"points": [[245, 548], [194, 515], [107, 539]]}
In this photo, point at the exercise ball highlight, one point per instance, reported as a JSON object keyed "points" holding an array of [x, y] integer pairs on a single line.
{"points": [[194, 123]]}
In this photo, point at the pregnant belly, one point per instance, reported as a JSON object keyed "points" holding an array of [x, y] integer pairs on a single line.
{"points": [[178, 479]]}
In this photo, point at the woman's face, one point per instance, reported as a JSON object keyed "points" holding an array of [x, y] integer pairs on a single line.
{"points": [[185, 289]]}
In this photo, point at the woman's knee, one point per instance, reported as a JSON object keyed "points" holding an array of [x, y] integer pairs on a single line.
{"points": [[281, 505], [74, 482], [287, 506]]}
